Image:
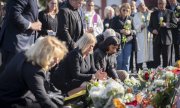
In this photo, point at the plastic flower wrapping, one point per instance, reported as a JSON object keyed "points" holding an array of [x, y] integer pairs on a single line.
{"points": [[154, 88], [102, 93]]}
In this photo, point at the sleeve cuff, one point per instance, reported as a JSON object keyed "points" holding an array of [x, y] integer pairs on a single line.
{"points": [[29, 25]]}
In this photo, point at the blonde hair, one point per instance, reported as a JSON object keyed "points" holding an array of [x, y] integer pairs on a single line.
{"points": [[56, 9], [45, 49], [126, 6], [85, 41], [107, 11]]}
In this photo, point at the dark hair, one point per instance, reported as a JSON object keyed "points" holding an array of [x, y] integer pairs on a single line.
{"points": [[112, 40]]}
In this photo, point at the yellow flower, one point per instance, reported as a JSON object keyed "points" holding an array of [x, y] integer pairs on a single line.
{"points": [[118, 104]]}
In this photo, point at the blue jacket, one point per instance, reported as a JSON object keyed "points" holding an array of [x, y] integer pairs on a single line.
{"points": [[15, 35]]}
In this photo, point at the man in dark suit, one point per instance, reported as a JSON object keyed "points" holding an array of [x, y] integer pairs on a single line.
{"points": [[19, 28], [70, 27], [174, 6], [161, 22]]}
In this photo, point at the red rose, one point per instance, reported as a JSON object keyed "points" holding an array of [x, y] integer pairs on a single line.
{"points": [[146, 75]]}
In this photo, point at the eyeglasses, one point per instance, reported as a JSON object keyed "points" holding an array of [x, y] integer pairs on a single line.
{"points": [[91, 5], [125, 10]]}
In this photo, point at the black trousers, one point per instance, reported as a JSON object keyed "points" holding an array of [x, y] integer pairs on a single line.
{"points": [[177, 51], [165, 50]]}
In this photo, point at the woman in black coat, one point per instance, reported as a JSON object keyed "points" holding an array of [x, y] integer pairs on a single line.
{"points": [[24, 81], [78, 66], [48, 18], [105, 56]]}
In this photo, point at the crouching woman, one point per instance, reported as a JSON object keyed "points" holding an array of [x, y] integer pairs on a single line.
{"points": [[23, 82]]}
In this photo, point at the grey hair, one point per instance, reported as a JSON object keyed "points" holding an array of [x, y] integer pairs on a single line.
{"points": [[85, 41], [109, 32], [107, 10]]}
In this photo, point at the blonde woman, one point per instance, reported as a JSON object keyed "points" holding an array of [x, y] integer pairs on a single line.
{"points": [[27, 72], [78, 66], [108, 14], [123, 24], [48, 18]]}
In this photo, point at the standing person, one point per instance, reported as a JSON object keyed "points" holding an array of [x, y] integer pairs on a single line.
{"points": [[161, 22], [133, 59], [25, 84], [175, 6], [108, 14], [93, 20], [133, 7], [48, 18], [141, 22], [123, 24], [19, 28], [70, 27]]}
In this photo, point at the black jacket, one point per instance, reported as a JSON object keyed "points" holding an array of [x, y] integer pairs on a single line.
{"points": [[70, 27], [15, 35], [18, 79], [165, 34], [48, 23], [73, 71], [118, 24], [176, 31]]}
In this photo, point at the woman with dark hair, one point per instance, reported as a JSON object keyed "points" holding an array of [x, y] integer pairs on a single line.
{"points": [[105, 57], [24, 82], [48, 18]]}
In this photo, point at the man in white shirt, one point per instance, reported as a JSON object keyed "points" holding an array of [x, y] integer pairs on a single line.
{"points": [[92, 19]]}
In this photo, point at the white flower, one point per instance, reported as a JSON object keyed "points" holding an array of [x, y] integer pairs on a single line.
{"points": [[129, 97], [113, 86], [178, 7], [107, 25], [159, 82], [169, 74], [128, 22]]}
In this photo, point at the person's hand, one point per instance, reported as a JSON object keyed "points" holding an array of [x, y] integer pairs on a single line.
{"points": [[101, 75], [36, 26], [127, 32], [155, 32], [142, 27], [122, 31], [57, 98]]}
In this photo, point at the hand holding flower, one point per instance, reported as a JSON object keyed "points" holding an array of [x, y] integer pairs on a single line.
{"points": [[155, 32]]}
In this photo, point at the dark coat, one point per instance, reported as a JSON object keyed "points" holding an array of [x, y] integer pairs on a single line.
{"points": [[165, 34], [118, 24], [15, 35], [176, 31], [73, 71], [48, 23], [18, 79], [70, 27], [106, 62]]}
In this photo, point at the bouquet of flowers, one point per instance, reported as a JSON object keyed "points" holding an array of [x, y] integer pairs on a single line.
{"points": [[127, 26], [102, 93], [162, 88]]}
